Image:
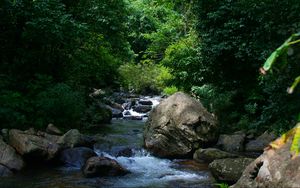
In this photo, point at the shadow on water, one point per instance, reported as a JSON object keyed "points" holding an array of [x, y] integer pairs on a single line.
{"points": [[147, 171]]}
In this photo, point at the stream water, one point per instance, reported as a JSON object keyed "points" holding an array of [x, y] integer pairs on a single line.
{"points": [[146, 170]]}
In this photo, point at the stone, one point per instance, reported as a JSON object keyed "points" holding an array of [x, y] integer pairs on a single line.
{"points": [[126, 152], [103, 166], [116, 113], [142, 108], [76, 157], [31, 130], [50, 137], [229, 169], [4, 171], [274, 168], [136, 118], [179, 125], [260, 142], [10, 158], [232, 143], [5, 134], [145, 102], [51, 129], [117, 106], [211, 154], [73, 138], [33, 146], [97, 93]]}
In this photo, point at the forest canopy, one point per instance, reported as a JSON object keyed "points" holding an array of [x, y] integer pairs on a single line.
{"points": [[54, 53]]}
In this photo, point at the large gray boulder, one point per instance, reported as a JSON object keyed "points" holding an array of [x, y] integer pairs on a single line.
{"points": [[76, 157], [232, 143], [211, 154], [142, 108], [5, 134], [260, 142], [9, 158], [103, 166], [179, 125], [4, 171], [51, 129], [73, 138], [34, 145], [230, 169], [274, 168]]}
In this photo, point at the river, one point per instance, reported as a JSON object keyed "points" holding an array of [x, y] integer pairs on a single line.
{"points": [[146, 170]]}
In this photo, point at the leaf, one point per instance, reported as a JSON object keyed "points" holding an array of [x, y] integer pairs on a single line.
{"points": [[292, 88], [276, 54], [280, 51], [279, 142], [295, 147]]}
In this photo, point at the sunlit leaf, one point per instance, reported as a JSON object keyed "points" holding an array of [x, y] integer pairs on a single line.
{"points": [[292, 88], [280, 52], [295, 147]]}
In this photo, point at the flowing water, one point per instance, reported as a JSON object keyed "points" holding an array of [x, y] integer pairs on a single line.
{"points": [[146, 170]]}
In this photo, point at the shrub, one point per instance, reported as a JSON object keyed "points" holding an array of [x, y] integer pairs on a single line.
{"points": [[59, 105], [145, 78], [170, 90], [96, 114]]}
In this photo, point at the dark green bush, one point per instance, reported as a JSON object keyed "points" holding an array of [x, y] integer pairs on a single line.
{"points": [[95, 115], [236, 38], [60, 105]]}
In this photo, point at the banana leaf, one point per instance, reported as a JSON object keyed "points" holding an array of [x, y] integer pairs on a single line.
{"points": [[280, 51]]}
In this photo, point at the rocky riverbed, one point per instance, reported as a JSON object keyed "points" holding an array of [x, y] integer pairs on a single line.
{"points": [[121, 141], [147, 149]]}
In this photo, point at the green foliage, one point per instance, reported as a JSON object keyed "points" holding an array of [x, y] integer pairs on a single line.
{"points": [[222, 185], [11, 111], [162, 32], [53, 52], [170, 90], [181, 58], [217, 101], [236, 38], [59, 105], [95, 115], [144, 78], [94, 65]]}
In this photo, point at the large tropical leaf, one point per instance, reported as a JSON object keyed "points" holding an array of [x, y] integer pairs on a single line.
{"points": [[280, 51]]}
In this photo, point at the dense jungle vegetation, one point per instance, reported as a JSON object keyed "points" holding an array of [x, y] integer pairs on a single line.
{"points": [[53, 53]]}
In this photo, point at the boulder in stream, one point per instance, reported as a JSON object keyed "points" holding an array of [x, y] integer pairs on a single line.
{"points": [[125, 152], [211, 154], [33, 146], [260, 142], [103, 166], [4, 171], [76, 157], [233, 142], [9, 158], [142, 108], [145, 102], [51, 129], [73, 138], [229, 169], [179, 125]]}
